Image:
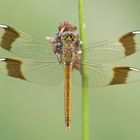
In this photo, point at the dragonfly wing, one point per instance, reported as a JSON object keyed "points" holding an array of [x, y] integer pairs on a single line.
{"points": [[24, 45], [100, 75], [46, 73], [114, 49]]}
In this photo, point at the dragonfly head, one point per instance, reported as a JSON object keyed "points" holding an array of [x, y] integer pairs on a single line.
{"points": [[69, 38]]}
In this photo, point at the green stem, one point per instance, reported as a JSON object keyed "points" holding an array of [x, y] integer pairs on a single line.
{"points": [[85, 94]]}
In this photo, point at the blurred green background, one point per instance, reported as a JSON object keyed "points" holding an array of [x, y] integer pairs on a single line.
{"points": [[34, 112]]}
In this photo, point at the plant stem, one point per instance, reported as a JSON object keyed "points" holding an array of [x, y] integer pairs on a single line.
{"points": [[85, 94]]}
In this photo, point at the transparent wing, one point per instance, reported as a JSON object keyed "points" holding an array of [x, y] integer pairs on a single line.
{"points": [[41, 72], [24, 45], [114, 49], [100, 75]]}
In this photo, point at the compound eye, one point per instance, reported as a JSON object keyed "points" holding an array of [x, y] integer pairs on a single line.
{"points": [[63, 37], [74, 37]]}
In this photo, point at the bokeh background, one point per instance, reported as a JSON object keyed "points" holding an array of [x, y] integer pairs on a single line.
{"points": [[34, 112]]}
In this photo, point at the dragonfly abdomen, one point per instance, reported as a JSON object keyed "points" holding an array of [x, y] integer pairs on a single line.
{"points": [[67, 93]]}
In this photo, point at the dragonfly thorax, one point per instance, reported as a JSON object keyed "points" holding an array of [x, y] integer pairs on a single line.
{"points": [[68, 54]]}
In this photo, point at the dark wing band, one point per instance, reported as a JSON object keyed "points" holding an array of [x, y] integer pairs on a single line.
{"points": [[129, 43], [8, 37], [13, 67]]}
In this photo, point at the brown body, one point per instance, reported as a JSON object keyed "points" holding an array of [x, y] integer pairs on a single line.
{"points": [[66, 45], [67, 93], [68, 60], [68, 57]]}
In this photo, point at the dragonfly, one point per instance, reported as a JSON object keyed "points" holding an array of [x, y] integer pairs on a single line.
{"points": [[59, 59]]}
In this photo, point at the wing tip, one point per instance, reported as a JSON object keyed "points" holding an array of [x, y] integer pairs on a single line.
{"points": [[136, 32], [134, 69], [3, 26], [2, 59]]}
